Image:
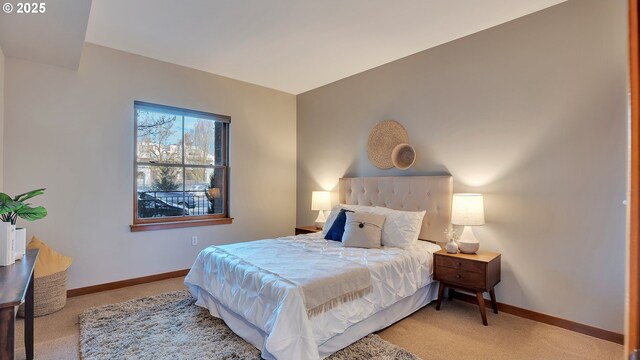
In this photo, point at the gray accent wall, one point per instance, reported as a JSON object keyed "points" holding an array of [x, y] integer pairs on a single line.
{"points": [[531, 113]]}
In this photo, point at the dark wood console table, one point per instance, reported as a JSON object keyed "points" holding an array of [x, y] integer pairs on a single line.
{"points": [[16, 285]]}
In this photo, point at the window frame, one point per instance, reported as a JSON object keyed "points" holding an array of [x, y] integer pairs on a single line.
{"points": [[171, 222]]}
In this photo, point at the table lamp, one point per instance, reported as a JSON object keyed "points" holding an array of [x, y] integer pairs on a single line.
{"points": [[321, 201], [468, 210]]}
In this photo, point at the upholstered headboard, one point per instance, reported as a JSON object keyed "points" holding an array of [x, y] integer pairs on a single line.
{"points": [[410, 193]]}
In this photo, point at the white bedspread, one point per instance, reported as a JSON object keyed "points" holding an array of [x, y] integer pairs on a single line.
{"points": [[277, 308], [324, 280]]}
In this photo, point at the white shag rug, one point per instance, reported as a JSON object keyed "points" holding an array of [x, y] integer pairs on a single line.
{"points": [[171, 326]]}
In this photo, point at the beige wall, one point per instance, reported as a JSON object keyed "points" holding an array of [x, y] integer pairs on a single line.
{"points": [[531, 113], [1, 118], [72, 132]]}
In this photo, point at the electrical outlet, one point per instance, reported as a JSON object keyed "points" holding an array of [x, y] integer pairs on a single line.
{"points": [[194, 240]]}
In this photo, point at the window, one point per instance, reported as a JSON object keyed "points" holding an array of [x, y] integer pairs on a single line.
{"points": [[181, 168]]}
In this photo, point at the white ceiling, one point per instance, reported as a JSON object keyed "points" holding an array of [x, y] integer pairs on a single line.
{"points": [[292, 45]]}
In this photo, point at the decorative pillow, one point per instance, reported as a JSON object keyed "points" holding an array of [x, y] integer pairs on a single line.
{"points": [[336, 210], [330, 219], [49, 261], [402, 228], [363, 230], [337, 228]]}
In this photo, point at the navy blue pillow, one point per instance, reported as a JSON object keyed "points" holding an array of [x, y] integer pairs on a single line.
{"points": [[337, 228]]}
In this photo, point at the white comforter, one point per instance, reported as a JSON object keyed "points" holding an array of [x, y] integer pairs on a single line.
{"points": [[277, 308]]}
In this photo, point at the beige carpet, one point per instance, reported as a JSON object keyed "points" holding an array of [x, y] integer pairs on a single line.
{"points": [[455, 332]]}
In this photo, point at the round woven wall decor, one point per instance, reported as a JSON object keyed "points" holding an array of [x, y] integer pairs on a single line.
{"points": [[403, 156], [385, 136]]}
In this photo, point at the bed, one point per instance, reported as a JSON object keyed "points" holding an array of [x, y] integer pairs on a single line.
{"points": [[235, 282]]}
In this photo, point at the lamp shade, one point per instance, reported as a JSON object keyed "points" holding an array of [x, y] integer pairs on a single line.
{"points": [[320, 200], [467, 209]]}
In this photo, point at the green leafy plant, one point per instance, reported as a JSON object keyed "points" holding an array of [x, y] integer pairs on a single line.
{"points": [[13, 208], [167, 180]]}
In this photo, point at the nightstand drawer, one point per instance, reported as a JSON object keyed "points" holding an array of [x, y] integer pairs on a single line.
{"points": [[462, 264], [460, 277], [478, 272]]}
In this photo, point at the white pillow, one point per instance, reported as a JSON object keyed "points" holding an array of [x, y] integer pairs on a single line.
{"points": [[359, 208], [336, 210], [401, 228]]}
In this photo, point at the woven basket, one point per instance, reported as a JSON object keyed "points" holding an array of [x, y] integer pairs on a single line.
{"points": [[403, 156], [50, 294], [384, 137]]}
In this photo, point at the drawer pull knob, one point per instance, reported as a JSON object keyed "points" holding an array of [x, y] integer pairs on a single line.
{"points": [[458, 276], [459, 264]]}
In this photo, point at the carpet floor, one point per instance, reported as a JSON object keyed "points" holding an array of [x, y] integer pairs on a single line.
{"points": [[454, 332], [171, 326]]}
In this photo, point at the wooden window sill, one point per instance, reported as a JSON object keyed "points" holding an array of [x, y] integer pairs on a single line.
{"points": [[179, 224]]}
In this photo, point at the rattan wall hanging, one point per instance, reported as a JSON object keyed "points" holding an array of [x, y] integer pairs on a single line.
{"points": [[403, 156], [385, 137]]}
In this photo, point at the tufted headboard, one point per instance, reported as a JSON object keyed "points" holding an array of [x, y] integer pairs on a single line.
{"points": [[410, 193]]}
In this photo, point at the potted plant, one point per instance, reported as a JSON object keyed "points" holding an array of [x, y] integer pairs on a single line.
{"points": [[13, 208]]}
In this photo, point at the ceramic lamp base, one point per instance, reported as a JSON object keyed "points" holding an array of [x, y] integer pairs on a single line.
{"points": [[468, 248], [468, 243], [320, 220]]}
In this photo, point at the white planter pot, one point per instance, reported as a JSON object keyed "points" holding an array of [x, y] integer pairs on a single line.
{"points": [[7, 242], [21, 243]]}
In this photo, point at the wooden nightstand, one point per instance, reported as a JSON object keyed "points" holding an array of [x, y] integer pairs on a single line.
{"points": [[306, 229], [476, 273]]}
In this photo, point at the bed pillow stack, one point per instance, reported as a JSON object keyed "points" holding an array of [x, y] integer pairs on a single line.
{"points": [[401, 228]]}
